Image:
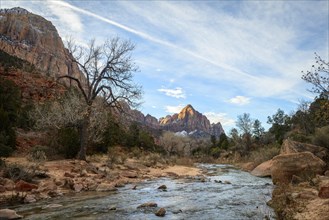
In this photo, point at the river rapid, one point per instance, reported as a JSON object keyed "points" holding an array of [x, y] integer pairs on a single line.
{"points": [[227, 193]]}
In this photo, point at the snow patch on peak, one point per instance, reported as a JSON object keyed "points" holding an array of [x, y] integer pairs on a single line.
{"points": [[181, 134]]}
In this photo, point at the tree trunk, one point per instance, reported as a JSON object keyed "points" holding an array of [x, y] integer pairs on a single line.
{"points": [[84, 135]]}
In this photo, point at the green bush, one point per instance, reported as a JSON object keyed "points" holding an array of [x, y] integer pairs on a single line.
{"points": [[300, 137], [69, 142], [321, 137]]}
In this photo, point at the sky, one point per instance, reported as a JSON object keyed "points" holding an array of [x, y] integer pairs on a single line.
{"points": [[225, 58]]}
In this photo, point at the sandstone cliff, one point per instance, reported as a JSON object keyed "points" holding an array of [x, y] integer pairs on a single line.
{"points": [[36, 40]]}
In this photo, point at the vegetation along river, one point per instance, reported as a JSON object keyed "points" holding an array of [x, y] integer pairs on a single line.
{"points": [[228, 193]]}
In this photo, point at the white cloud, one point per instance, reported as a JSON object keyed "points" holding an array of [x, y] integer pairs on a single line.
{"points": [[240, 100], [220, 117], [68, 19], [176, 93], [174, 109]]}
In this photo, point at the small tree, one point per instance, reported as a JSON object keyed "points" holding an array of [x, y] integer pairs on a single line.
{"points": [[318, 76], [280, 125], [108, 73], [257, 129], [245, 124]]}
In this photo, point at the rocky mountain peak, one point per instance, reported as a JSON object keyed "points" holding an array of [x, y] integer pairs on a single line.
{"points": [[190, 120], [187, 111]]}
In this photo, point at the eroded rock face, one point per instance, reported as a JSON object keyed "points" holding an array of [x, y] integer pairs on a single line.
{"points": [[36, 40], [289, 146], [305, 165]]}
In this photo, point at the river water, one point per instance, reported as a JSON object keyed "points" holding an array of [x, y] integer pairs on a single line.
{"points": [[227, 193]]}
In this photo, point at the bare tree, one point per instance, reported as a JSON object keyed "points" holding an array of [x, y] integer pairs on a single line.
{"points": [[108, 70], [318, 76]]}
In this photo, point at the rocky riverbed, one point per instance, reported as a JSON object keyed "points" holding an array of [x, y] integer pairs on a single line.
{"points": [[222, 192]]}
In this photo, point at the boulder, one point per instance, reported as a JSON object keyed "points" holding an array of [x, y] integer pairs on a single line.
{"points": [[23, 186], [263, 170], [83, 173], [148, 205], [30, 199], [289, 146], [248, 167], [9, 214], [70, 175], [105, 187], [78, 187], [162, 187], [305, 165], [2, 189], [161, 212], [129, 174]]}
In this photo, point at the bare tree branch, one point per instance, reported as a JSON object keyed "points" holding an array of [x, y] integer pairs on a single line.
{"points": [[318, 76]]}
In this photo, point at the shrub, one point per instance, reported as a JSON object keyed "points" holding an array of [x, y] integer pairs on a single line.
{"points": [[115, 156], [38, 153], [264, 153], [321, 137], [300, 137], [17, 172]]}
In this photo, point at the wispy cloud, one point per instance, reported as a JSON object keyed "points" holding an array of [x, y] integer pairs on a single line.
{"points": [[240, 100], [176, 93], [69, 20]]}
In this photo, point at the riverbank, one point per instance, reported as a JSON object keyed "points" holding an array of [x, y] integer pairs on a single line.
{"points": [[299, 199], [48, 179]]}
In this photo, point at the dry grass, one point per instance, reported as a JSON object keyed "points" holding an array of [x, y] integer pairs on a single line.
{"points": [[263, 154]]}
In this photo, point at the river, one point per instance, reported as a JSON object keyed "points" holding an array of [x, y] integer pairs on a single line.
{"points": [[227, 193]]}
